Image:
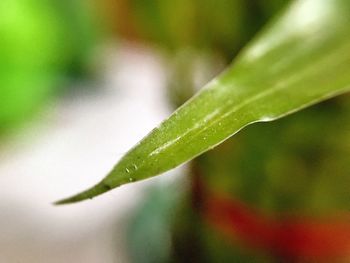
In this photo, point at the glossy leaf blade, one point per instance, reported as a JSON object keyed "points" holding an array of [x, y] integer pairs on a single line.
{"points": [[300, 59]]}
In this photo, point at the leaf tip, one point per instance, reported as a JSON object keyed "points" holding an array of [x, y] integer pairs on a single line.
{"points": [[90, 193]]}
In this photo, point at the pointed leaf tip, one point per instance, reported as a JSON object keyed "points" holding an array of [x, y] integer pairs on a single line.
{"points": [[96, 190]]}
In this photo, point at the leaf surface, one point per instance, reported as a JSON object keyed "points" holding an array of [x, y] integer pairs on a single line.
{"points": [[299, 59]]}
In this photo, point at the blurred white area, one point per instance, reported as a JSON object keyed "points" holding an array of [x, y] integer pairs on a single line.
{"points": [[72, 148]]}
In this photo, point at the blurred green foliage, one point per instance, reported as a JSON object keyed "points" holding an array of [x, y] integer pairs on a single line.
{"points": [[41, 42], [222, 26]]}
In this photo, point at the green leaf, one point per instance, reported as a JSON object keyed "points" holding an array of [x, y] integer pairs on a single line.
{"points": [[300, 59]]}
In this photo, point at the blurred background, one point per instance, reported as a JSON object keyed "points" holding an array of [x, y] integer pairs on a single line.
{"points": [[82, 81]]}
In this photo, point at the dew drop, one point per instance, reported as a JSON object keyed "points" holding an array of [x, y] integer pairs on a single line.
{"points": [[127, 170]]}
